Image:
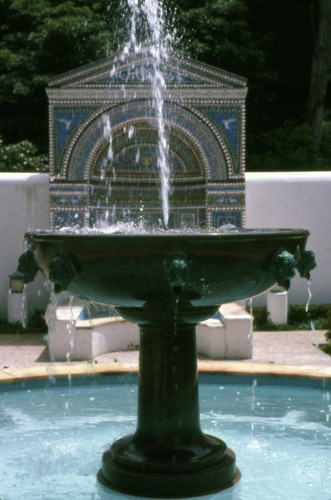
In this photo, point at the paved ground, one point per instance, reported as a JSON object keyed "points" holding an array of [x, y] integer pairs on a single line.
{"points": [[294, 353]]}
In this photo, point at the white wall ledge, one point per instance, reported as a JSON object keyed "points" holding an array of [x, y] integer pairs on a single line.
{"points": [[289, 176], [24, 177]]}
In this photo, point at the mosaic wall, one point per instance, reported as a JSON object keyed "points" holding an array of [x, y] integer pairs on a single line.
{"points": [[205, 125]]}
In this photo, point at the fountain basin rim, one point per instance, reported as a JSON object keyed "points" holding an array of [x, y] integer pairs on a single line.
{"points": [[298, 375], [279, 378], [233, 235]]}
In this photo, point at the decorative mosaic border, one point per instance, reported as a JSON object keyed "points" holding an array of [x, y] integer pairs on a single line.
{"points": [[183, 71]]}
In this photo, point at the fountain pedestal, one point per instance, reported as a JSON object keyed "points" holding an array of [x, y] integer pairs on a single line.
{"points": [[168, 455]]}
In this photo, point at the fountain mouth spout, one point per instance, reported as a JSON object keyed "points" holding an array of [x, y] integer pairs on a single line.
{"points": [[284, 265], [177, 272]]}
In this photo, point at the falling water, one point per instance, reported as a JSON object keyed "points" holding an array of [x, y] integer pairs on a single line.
{"points": [[250, 335], [70, 328], [51, 318], [156, 18], [312, 326], [148, 35], [309, 295], [23, 308]]}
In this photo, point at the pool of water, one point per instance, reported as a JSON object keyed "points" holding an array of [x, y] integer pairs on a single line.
{"points": [[53, 434]]}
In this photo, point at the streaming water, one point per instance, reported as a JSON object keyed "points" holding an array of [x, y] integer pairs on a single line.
{"points": [[148, 35], [309, 295], [24, 307], [70, 327], [56, 324], [50, 317], [251, 333], [312, 326]]}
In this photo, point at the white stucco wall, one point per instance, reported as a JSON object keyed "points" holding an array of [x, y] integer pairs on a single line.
{"points": [[24, 204], [298, 200]]}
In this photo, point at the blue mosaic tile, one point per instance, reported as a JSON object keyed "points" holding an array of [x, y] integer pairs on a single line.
{"points": [[226, 199], [66, 123], [68, 200], [222, 218], [68, 219], [236, 186], [229, 125], [188, 129]]}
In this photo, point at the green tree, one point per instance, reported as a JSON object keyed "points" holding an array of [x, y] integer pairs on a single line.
{"points": [[22, 157], [320, 69], [41, 39], [219, 33]]}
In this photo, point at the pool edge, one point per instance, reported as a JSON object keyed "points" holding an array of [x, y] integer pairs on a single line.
{"points": [[16, 374]]}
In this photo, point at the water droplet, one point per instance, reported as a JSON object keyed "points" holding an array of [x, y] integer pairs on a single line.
{"points": [[131, 132]]}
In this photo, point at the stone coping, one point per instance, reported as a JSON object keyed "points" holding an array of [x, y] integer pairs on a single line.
{"points": [[17, 374]]}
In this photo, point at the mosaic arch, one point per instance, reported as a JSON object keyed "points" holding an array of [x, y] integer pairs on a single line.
{"points": [[205, 124]]}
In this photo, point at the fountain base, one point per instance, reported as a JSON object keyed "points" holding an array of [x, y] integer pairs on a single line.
{"points": [[168, 455], [169, 484]]}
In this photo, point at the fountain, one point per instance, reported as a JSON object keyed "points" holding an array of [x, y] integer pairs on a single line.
{"points": [[167, 282]]}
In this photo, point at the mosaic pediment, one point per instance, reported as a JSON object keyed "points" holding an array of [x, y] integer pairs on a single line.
{"points": [[136, 70]]}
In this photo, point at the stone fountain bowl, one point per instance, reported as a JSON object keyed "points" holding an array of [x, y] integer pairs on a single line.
{"points": [[156, 273]]}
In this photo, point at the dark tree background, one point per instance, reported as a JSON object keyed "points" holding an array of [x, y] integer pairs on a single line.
{"points": [[276, 44], [320, 74]]}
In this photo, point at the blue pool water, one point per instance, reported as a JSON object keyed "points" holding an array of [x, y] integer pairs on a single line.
{"points": [[52, 436]]}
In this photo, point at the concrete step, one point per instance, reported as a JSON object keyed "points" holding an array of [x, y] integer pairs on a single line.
{"points": [[226, 336]]}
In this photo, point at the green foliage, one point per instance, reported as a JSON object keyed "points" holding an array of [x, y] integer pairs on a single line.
{"points": [[42, 38], [325, 149], [37, 322], [326, 348], [21, 157], [317, 313], [328, 326], [6, 327], [219, 33], [286, 148], [39, 40], [298, 318]]}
